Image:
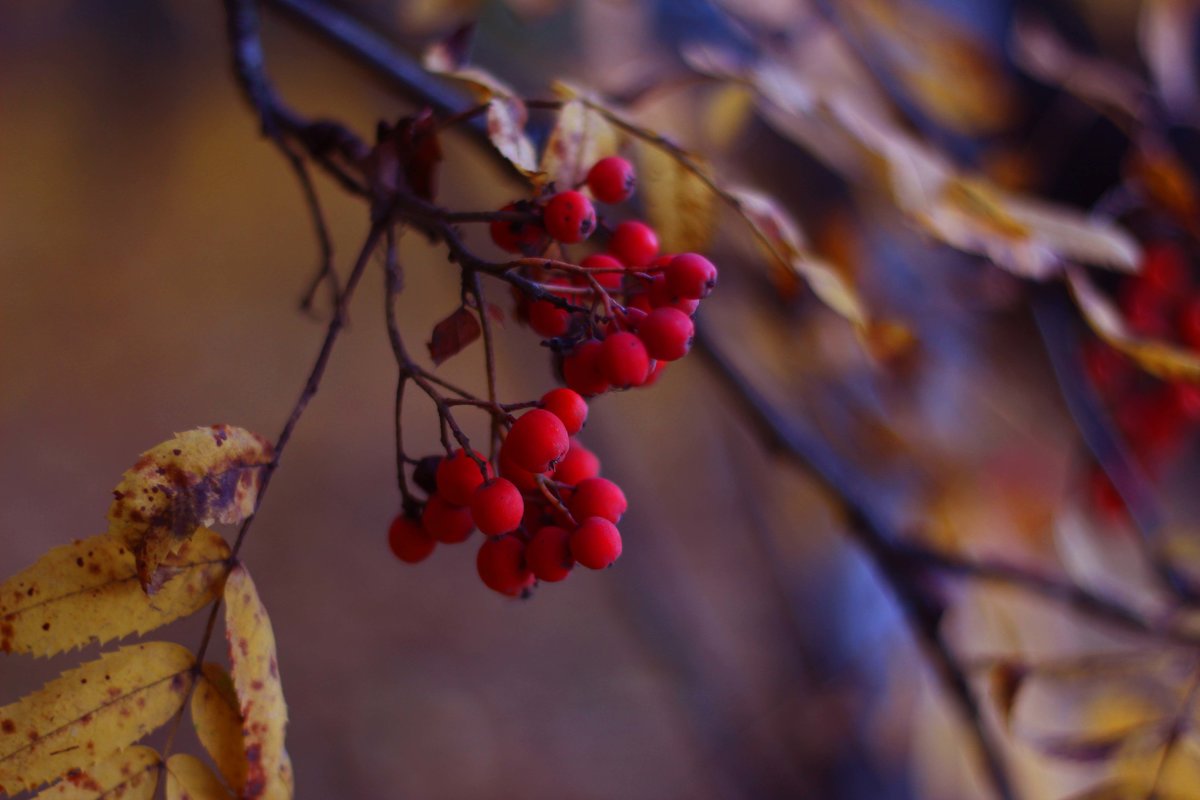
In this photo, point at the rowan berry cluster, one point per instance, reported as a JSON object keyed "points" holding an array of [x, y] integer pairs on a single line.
{"points": [[1154, 417], [612, 320]]}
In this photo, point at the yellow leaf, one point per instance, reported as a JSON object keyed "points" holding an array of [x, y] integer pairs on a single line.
{"points": [[217, 717], [200, 477], [726, 113], [88, 591], [91, 712], [506, 118], [188, 778], [256, 679], [580, 138], [131, 774], [679, 204], [1164, 360]]}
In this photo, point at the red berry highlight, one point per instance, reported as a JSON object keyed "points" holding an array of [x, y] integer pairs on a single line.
{"points": [[596, 543], [458, 476], [497, 507], [537, 440], [408, 541], [624, 361], [568, 406], [612, 180], [690, 276], [569, 217], [577, 465], [607, 274], [548, 554], [582, 371], [667, 334], [634, 243], [501, 566], [597, 497]]}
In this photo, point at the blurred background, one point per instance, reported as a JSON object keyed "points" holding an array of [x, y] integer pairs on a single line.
{"points": [[153, 249]]}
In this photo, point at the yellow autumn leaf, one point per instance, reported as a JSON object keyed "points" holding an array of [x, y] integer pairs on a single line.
{"points": [[200, 477], [91, 712], [255, 674], [88, 591], [131, 774], [217, 717], [679, 204], [580, 138], [1161, 359], [189, 778]]}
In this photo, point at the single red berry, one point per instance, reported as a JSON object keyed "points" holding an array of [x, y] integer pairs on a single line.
{"points": [[577, 465], [537, 440], [497, 507], [581, 369], [569, 217], [1189, 322], [548, 554], [501, 566], [608, 271], [597, 497], [624, 361], [1145, 310], [523, 479], [667, 334], [690, 275], [634, 243], [612, 180], [458, 476], [568, 406], [596, 543], [408, 541], [547, 319], [528, 237], [446, 522], [1164, 268]]}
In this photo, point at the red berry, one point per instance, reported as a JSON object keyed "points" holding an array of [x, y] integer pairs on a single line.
{"points": [[597, 497], [596, 543], [1189, 322], [445, 522], [537, 440], [690, 275], [408, 541], [667, 334], [569, 217], [528, 238], [624, 361], [568, 406], [634, 243], [501, 565], [581, 369], [607, 267], [523, 479], [459, 475], [1164, 268], [497, 507], [577, 465], [547, 319], [548, 554], [611, 180]]}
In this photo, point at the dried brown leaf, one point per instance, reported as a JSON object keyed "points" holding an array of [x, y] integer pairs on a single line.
{"points": [[452, 334]]}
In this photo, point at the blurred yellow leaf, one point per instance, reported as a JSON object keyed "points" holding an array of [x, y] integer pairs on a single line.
{"points": [[726, 113], [130, 775], [188, 778], [88, 591], [580, 138], [217, 717], [1162, 359], [256, 680], [679, 204], [91, 712], [200, 477]]}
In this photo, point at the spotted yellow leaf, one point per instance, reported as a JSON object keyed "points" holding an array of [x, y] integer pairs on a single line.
{"points": [[131, 774], [255, 672], [91, 712], [188, 778], [217, 717], [200, 477], [88, 591], [581, 137]]}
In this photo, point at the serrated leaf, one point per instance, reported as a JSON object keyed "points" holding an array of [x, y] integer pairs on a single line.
{"points": [[1164, 360], [129, 775], [91, 712], [217, 717], [189, 778], [679, 204], [255, 675], [200, 477], [452, 334], [781, 240], [579, 139], [88, 591]]}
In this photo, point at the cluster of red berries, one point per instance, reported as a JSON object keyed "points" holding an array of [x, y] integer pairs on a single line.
{"points": [[547, 510], [1154, 417], [618, 316]]}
